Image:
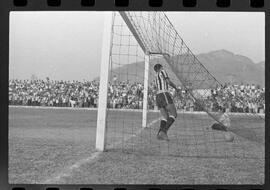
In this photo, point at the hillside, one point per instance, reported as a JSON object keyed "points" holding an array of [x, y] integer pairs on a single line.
{"points": [[224, 65], [261, 65], [229, 67]]}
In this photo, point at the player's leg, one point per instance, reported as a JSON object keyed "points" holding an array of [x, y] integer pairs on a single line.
{"points": [[163, 121], [172, 113], [161, 103], [162, 133]]}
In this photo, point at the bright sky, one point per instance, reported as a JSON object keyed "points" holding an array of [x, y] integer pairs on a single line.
{"points": [[67, 45]]}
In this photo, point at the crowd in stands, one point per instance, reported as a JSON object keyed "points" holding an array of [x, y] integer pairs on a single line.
{"points": [[237, 98], [241, 98], [129, 95], [53, 93]]}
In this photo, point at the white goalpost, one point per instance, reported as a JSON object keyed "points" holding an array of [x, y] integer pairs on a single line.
{"points": [[145, 90], [103, 90], [104, 78]]}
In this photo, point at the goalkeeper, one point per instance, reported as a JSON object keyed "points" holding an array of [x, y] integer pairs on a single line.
{"points": [[224, 121], [164, 101]]}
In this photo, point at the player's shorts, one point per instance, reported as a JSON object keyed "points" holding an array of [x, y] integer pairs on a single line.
{"points": [[163, 99]]}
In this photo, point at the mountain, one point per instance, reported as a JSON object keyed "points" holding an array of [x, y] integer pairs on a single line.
{"points": [[261, 65], [229, 67], [224, 65]]}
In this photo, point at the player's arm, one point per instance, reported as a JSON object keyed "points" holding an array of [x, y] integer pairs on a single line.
{"points": [[169, 82]]}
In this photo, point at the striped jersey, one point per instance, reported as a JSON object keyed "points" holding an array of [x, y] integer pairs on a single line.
{"points": [[161, 83]]}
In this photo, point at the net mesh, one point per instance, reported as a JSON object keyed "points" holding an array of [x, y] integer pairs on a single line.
{"points": [[139, 34]]}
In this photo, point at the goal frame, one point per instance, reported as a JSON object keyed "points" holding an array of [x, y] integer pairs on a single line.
{"points": [[104, 78]]}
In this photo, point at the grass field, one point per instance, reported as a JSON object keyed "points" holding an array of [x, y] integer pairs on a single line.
{"points": [[58, 146]]}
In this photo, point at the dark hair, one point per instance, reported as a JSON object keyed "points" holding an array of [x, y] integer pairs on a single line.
{"points": [[157, 67]]}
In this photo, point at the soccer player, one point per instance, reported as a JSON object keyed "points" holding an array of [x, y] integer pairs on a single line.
{"points": [[164, 101], [224, 125], [224, 121]]}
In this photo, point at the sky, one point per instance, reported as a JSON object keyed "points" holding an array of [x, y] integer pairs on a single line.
{"points": [[67, 45]]}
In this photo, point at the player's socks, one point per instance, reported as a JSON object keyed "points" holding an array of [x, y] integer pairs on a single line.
{"points": [[162, 125], [169, 123]]}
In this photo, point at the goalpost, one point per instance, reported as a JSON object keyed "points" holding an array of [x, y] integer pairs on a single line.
{"points": [[145, 90], [104, 76], [127, 120], [103, 90]]}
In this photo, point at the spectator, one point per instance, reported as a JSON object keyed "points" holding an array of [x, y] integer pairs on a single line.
{"points": [[129, 95]]}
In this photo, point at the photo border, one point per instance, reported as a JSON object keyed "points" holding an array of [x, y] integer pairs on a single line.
{"points": [[108, 5]]}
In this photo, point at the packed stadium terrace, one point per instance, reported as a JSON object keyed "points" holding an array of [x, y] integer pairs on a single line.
{"points": [[129, 95]]}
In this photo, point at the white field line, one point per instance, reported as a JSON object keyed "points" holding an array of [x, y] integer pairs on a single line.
{"points": [[139, 131], [152, 122], [67, 172], [130, 110]]}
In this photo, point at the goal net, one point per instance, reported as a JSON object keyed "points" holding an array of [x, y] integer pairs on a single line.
{"points": [[139, 40]]}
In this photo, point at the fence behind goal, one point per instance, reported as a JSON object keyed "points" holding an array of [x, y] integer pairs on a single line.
{"points": [[153, 37]]}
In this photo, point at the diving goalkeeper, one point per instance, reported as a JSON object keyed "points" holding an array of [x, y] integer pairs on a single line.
{"points": [[224, 121]]}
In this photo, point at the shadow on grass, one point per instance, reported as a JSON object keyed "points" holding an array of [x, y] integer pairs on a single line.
{"points": [[249, 134]]}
